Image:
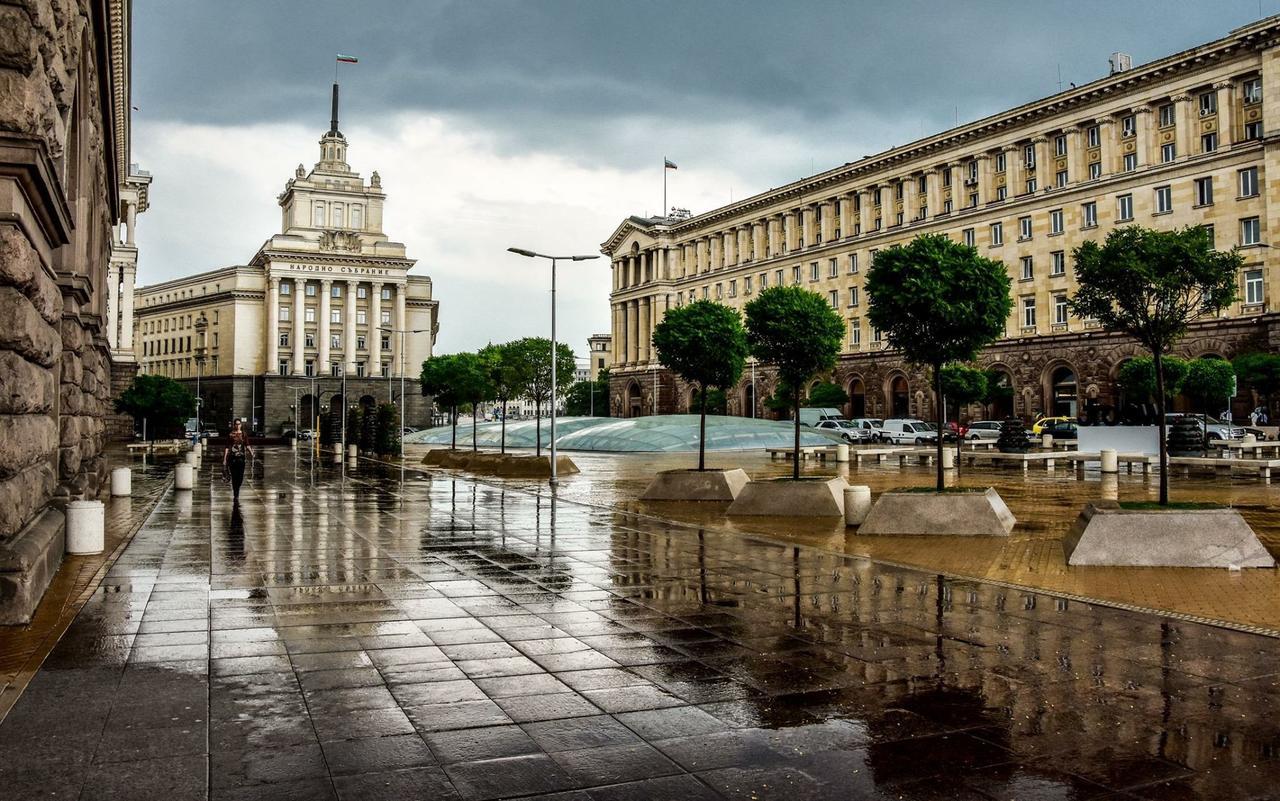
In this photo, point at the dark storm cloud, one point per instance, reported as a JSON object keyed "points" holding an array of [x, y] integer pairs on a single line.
{"points": [[614, 82]]}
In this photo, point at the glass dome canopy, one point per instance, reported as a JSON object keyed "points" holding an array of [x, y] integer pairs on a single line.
{"points": [[660, 433]]}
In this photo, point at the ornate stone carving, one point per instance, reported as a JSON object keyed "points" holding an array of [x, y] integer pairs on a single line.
{"points": [[339, 240]]}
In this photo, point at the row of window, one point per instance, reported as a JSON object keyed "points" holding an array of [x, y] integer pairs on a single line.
{"points": [[335, 369], [336, 215], [335, 291], [335, 341], [167, 345], [335, 316], [175, 323]]}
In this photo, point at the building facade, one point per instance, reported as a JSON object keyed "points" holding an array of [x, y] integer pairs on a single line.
{"points": [[325, 308], [64, 168], [1193, 138], [599, 354]]}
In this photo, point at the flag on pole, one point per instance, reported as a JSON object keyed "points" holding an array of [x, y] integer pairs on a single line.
{"points": [[669, 164], [348, 59]]}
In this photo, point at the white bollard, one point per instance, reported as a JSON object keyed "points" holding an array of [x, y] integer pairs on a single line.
{"points": [[337, 454], [86, 527], [1110, 461], [857, 504], [1046, 441], [184, 477], [353, 451], [1249, 439], [121, 481], [293, 443], [842, 452], [189, 458], [948, 459]]}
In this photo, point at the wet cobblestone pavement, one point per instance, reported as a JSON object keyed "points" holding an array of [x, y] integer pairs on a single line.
{"points": [[347, 637]]}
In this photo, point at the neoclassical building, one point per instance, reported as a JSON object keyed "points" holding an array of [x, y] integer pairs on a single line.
{"points": [[1193, 138], [330, 296]]}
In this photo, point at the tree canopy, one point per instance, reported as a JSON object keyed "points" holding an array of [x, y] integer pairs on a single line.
{"points": [[703, 343], [1137, 377], [798, 333], [164, 403], [1261, 371], [963, 384], [1210, 382], [827, 394]]}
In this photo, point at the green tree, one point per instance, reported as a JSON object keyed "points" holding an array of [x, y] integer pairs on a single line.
{"points": [[506, 377], [355, 425], [579, 400], [387, 436], [438, 381], [703, 343], [937, 301], [717, 402], [472, 382], [1151, 285], [827, 394], [1209, 381], [533, 355], [962, 385], [163, 403], [1261, 372], [799, 334], [1137, 377]]}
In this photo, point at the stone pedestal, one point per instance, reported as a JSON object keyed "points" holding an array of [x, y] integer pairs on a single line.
{"points": [[963, 514], [86, 527], [1107, 534], [696, 485], [790, 498]]}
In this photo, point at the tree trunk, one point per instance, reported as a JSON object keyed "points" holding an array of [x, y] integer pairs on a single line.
{"points": [[453, 416], [1160, 427], [537, 427], [795, 453], [474, 412], [702, 432], [502, 447], [942, 418]]}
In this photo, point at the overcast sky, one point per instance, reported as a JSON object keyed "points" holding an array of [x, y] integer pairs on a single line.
{"points": [[543, 123]]}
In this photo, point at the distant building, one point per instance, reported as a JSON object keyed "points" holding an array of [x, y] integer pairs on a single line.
{"points": [[322, 299], [600, 354]]}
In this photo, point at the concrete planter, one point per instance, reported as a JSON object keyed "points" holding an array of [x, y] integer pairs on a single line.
{"points": [[696, 485], [1107, 534], [789, 498], [962, 514], [501, 465]]}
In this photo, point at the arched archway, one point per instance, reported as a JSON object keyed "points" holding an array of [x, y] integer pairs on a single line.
{"points": [[749, 400], [898, 396], [307, 413], [857, 398], [1064, 392], [1001, 392], [634, 403]]}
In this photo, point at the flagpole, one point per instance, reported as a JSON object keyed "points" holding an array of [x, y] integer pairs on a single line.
{"points": [[664, 187]]}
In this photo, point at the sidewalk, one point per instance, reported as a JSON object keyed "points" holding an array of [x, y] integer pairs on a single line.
{"points": [[347, 637]]}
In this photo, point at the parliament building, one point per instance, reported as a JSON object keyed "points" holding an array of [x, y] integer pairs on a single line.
{"points": [[325, 309], [1184, 140]]}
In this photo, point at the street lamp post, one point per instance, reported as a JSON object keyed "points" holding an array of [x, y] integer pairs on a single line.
{"points": [[403, 332], [533, 255], [201, 326]]}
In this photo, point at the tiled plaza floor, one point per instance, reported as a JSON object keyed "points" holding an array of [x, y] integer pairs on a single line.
{"points": [[347, 637]]}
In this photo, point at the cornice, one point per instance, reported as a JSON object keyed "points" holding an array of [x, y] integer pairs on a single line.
{"points": [[26, 161]]}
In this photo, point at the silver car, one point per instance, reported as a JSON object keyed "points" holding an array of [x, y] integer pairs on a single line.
{"points": [[984, 429], [845, 429], [870, 426], [1212, 426]]}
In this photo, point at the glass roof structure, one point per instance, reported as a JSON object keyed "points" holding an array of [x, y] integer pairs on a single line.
{"points": [[661, 433]]}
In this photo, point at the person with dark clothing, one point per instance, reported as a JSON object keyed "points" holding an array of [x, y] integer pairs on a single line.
{"points": [[235, 456]]}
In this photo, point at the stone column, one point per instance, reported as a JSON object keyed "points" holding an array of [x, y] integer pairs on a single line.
{"points": [[322, 345], [633, 331], [1075, 156], [1107, 149], [867, 217], [986, 183], [375, 335], [772, 236], [349, 327], [1013, 171], [1142, 135], [273, 325], [297, 339], [616, 344], [128, 274], [933, 192], [645, 329], [758, 240], [1226, 113], [399, 322], [112, 321], [133, 220], [1044, 164], [910, 200], [1184, 126]]}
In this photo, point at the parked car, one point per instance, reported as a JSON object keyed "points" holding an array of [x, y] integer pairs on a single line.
{"points": [[984, 429], [846, 430], [306, 433], [407, 430], [812, 415], [1041, 422], [1062, 429], [908, 432], [1212, 426], [870, 425]]}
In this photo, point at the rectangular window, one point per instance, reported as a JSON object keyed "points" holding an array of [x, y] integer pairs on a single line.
{"points": [[283, 367], [1029, 156], [1124, 207], [833, 268], [1249, 182], [1059, 263], [1164, 200], [360, 343], [1093, 135], [1060, 145], [855, 331], [310, 314], [899, 217], [362, 292], [310, 368], [286, 289], [1204, 191], [973, 171], [1024, 228], [1250, 231], [1095, 170], [795, 274], [814, 273], [311, 290], [310, 340], [1055, 221], [335, 291], [1253, 90], [997, 234], [386, 293], [335, 369], [946, 207], [1168, 152], [362, 318], [1167, 115], [1253, 130], [733, 288], [746, 285], [853, 296], [876, 336], [359, 369], [1128, 125], [284, 314], [853, 263], [335, 315], [317, 215], [1253, 287], [335, 342], [1028, 312], [1060, 309], [385, 341], [1209, 143], [1000, 162], [1060, 179], [719, 291], [764, 280], [1208, 104], [1031, 186], [777, 278], [386, 370], [357, 217], [834, 297], [1002, 192], [1213, 237], [973, 200], [1130, 162], [1028, 269], [384, 318], [968, 236], [339, 215], [284, 339]]}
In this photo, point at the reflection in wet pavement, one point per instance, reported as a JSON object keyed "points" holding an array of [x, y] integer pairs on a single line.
{"points": [[338, 637]]}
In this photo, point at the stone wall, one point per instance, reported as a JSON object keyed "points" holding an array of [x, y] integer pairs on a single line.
{"points": [[61, 141]]}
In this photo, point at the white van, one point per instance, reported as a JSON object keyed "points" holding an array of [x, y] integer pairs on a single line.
{"points": [[909, 432]]}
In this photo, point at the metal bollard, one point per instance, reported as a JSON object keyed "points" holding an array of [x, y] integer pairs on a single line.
{"points": [[86, 527], [857, 504], [121, 481], [184, 477], [1110, 461], [842, 452]]}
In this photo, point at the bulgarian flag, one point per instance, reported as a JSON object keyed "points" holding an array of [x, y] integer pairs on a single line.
{"points": [[348, 59]]}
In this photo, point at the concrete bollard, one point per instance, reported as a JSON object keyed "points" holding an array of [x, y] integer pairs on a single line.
{"points": [[184, 477], [842, 452], [1110, 461], [948, 459], [191, 458], [337, 454], [293, 443], [86, 527], [1046, 441], [857, 504], [1111, 487], [1249, 439], [121, 481], [353, 451]]}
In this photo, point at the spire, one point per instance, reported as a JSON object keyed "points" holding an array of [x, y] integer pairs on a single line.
{"points": [[333, 116], [333, 145]]}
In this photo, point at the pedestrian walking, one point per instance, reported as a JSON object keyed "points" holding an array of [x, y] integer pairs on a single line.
{"points": [[235, 456]]}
